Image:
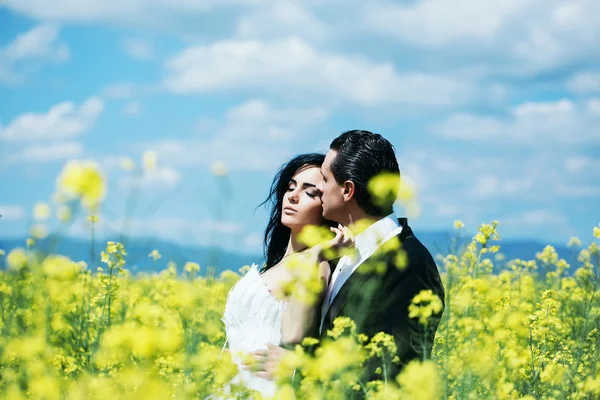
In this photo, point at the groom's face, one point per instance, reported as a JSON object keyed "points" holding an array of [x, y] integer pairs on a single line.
{"points": [[332, 193]]}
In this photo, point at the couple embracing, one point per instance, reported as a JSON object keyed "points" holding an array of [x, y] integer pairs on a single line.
{"points": [[333, 190]]}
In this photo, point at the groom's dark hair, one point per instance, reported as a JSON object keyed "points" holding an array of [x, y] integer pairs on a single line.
{"points": [[361, 156]]}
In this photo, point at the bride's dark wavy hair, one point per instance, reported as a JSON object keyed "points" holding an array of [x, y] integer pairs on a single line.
{"points": [[277, 235]]}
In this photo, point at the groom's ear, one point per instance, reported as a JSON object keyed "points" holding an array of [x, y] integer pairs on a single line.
{"points": [[349, 190]]}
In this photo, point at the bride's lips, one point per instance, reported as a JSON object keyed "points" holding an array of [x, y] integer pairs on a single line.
{"points": [[289, 210]]}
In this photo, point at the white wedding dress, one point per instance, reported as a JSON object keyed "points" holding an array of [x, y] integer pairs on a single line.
{"points": [[252, 319]]}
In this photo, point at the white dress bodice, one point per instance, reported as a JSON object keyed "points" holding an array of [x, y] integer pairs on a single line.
{"points": [[252, 319]]}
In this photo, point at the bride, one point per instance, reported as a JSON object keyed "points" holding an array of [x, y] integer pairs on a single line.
{"points": [[256, 316]]}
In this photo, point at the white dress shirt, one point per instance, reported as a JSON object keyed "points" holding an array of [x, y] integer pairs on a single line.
{"points": [[367, 242]]}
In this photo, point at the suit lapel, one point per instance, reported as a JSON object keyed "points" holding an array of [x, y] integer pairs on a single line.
{"points": [[357, 280]]}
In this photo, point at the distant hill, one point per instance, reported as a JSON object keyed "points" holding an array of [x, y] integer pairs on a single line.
{"points": [[139, 248], [137, 253]]}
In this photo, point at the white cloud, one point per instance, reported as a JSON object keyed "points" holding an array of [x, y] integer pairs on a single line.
{"points": [[292, 65], [536, 218], [253, 241], [577, 163], [253, 136], [436, 23], [585, 82], [139, 49], [40, 44], [578, 191], [119, 90], [11, 212], [117, 10], [516, 36], [487, 186], [480, 186], [280, 19], [132, 109], [161, 178], [62, 121], [51, 152], [562, 122]]}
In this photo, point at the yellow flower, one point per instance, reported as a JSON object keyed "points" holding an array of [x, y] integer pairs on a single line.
{"points": [[548, 255], [126, 163], [149, 160], [30, 242], [420, 381], [63, 213], [191, 267], [597, 231], [381, 344], [458, 224], [424, 305], [83, 180], [93, 219], [61, 267], [2, 252], [154, 254], [17, 259], [312, 235], [41, 211], [38, 231], [574, 242], [384, 188], [218, 168], [342, 326]]}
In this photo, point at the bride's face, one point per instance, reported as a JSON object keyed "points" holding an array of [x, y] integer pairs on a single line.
{"points": [[302, 202]]}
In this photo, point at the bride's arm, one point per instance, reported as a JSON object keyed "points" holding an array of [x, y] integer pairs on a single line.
{"points": [[299, 318]]}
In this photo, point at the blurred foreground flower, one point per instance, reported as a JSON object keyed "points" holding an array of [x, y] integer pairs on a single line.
{"points": [[126, 163], [218, 168], [82, 180], [17, 259], [41, 211], [155, 255], [149, 160]]}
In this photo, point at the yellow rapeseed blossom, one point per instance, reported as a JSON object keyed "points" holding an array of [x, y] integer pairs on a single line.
{"points": [[218, 168], [61, 267], [597, 231], [312, 235], [38, 231], [41, 211], [155, 255], [17, 259], [424, 305], [149, 160], [512, 329], [458, 224], [384, 188], [574, 242], [82, 180], [126, 163], [63, 213], [191, 268], [420, 381]]}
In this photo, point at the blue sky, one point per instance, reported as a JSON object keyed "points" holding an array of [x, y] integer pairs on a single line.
{"points": [[493, 107]]}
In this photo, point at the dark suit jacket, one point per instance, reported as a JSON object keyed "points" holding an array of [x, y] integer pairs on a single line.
{"points": [[379, 302]]}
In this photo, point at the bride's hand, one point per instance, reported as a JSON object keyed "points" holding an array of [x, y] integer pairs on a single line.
{"points": [[343, 241]]}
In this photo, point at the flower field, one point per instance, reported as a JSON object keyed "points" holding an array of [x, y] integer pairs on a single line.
{"points": [[75, 331]]}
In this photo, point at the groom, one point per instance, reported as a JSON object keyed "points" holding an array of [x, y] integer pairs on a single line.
{"points": [[375, 298]]}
